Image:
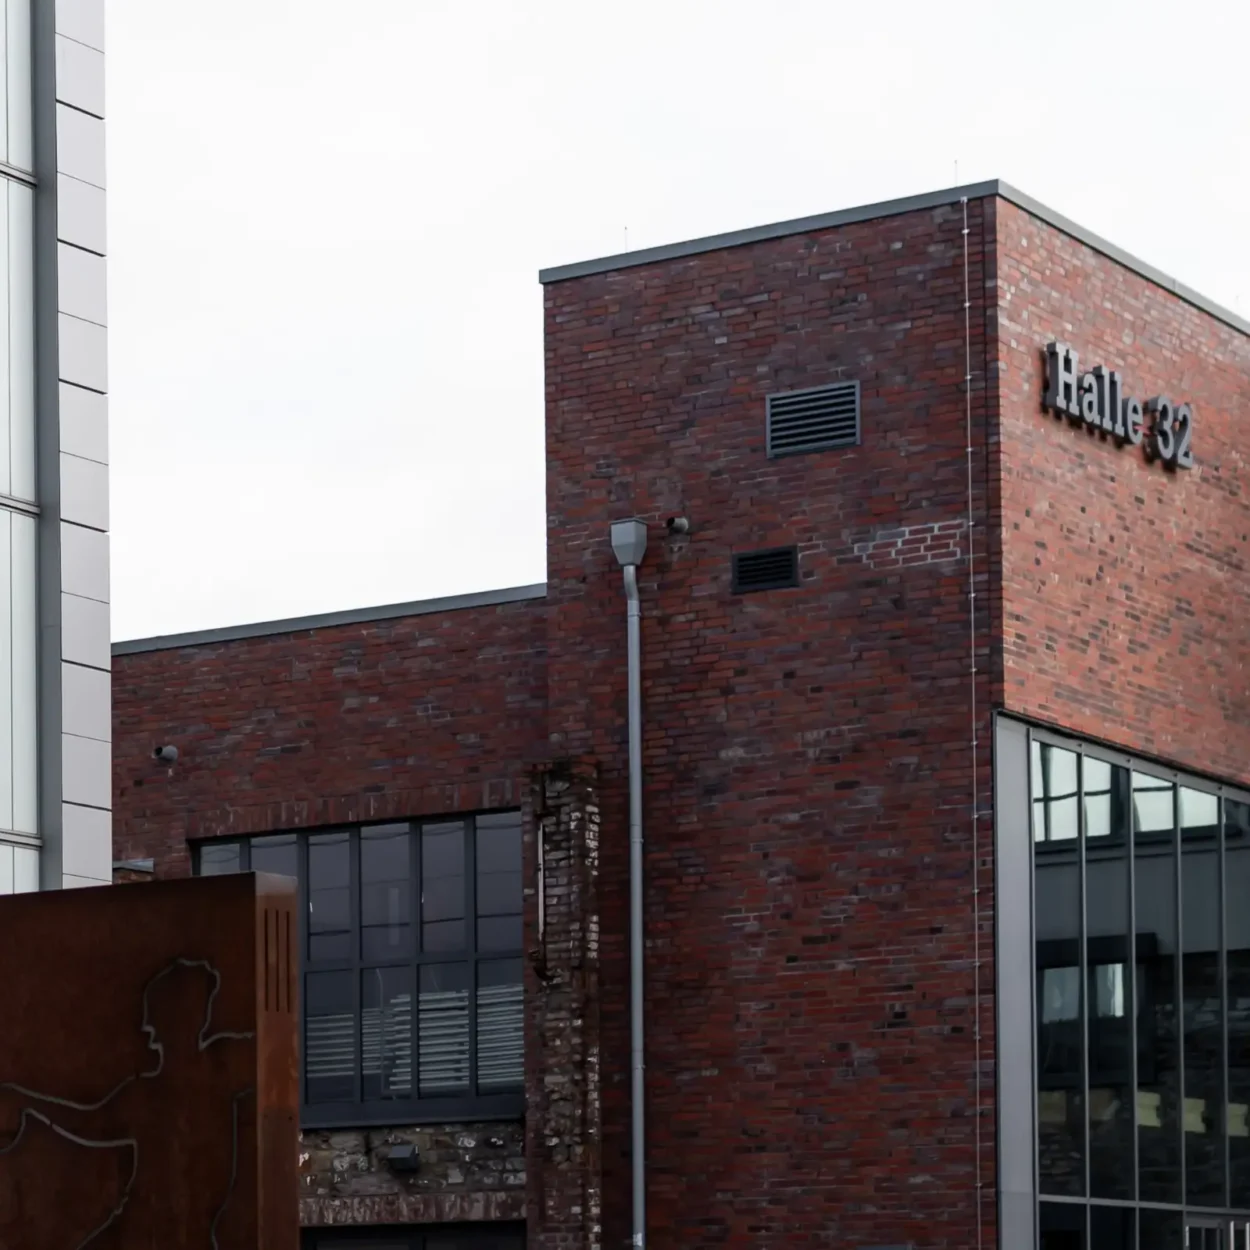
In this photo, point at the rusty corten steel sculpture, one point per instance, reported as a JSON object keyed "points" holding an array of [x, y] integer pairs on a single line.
{"points": [[149, 1068]]}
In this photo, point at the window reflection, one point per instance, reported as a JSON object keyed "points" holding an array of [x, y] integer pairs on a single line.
{"points": [[1237, 920], [1107, 942], [1158, 1034], [1060, 1008], [1055, 793], [1202, 998], [1098, 815], [1142, 943], [385, 892], [1153, 805], [329, 898], [1061, 994], [1108, 982]]}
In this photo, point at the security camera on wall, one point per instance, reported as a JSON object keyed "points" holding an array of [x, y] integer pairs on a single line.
{"points": [[166, 753]]}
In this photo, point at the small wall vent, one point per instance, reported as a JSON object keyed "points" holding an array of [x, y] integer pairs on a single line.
{"points": [[812, 420], [773, 569]]}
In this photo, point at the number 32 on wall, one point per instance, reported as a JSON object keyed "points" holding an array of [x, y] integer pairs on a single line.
{"points": [[1171, 432]]}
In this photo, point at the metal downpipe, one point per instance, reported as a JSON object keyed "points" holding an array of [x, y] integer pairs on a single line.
{"points": [[637, 1031], [629, 541]]}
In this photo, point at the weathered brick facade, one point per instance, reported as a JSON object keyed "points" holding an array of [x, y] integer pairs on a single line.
{"points": [[817, 759], [468, 1172], [563, 1056]]}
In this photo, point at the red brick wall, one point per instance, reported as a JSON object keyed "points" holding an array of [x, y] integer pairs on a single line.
{"points": [[808, 794], [393, 718], [1125, 595]]}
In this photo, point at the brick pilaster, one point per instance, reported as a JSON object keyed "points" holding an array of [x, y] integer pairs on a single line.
{"points": [[563, 1064]]}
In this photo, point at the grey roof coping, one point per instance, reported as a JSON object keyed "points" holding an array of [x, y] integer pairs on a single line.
{"points": [[892, 208], [327, 620]]}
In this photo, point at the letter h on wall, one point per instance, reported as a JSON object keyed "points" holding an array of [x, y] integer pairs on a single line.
{"points": [[1062, 394]]}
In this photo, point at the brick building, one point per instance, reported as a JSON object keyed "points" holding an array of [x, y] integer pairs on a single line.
{"points": [[944, 712]]}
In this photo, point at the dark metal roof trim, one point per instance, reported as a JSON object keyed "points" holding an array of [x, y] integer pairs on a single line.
{"points": [[892, 208], [135, 865], [327, 620], [758, 234]]}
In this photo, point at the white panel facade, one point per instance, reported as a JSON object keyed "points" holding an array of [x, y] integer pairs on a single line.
{"points": [[80, 218], [55, 680], [86, 840], [79, 145], [82, 21], [85, 632], [84, 492], [80, 75], [84, 423]]}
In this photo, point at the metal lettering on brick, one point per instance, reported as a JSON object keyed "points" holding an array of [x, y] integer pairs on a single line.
{"points": [[1163, 429]]}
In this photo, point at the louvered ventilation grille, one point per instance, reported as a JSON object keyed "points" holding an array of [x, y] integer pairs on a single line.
{"points": [[826, 416], [766, 570]]}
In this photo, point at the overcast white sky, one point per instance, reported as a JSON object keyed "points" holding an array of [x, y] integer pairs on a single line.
{"points": [[326, 222]]}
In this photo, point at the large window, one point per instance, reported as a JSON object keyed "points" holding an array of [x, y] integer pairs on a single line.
{"points": [[411, 941], [1142, 1001]]}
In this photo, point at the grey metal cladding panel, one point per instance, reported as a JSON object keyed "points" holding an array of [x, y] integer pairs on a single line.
{"points": [[85, 631], [1013, 991], [84, 423], [86, 842], [81, 288], [82, 20], [80, 76], [327, 620], [83, 352], [80, 214], [86, 771], [84, 562], [86, 702], [84, 492], [79, 145]]}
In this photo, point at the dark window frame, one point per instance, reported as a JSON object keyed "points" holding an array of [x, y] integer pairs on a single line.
{"points": [[414, 1109], [1222, 837]]}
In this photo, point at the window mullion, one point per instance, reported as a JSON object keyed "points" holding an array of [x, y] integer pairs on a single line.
{"points": [[470, 921], [416, 947], [353, 923], [1122, 818], [1085, 1006], [301, 936], [1178, 990], [1222, 974]]}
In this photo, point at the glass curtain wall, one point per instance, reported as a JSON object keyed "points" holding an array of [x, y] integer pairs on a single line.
{"points": [[1142, 952]]}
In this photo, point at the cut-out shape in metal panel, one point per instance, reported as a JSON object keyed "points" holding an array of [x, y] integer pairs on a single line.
{"points": [[148, 1072]]}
